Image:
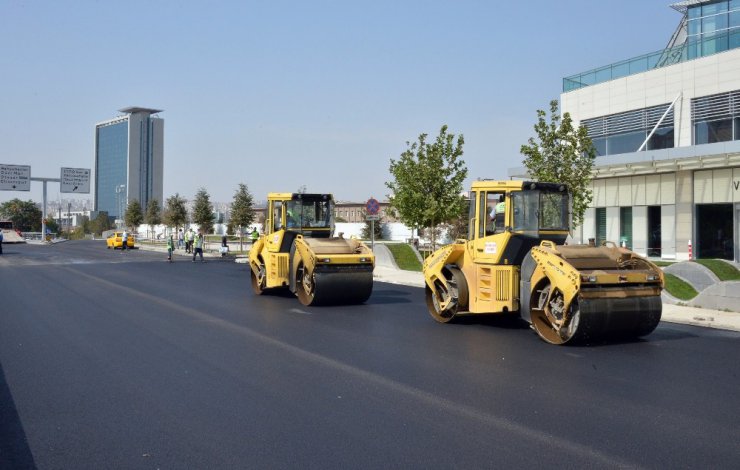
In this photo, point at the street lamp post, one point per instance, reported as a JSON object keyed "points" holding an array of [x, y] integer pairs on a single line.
{"points": [[121, 195]]}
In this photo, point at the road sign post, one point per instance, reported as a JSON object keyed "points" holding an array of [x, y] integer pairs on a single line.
{"points": [[75, 180], [18, 178], [372, 206], [15, 177]]}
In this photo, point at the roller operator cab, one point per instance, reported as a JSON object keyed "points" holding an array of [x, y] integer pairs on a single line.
{"points": [[515, 260], [299, 252]]}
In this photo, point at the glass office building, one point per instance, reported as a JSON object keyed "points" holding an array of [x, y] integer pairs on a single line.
{"points": [[128, 160], [666, 127]]}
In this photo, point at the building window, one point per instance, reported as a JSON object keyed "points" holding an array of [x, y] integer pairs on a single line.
{"points": [[654, 234], [716, 118], [600, 225], [713, 27], [714, 231], [625, 227], [626, 132]]}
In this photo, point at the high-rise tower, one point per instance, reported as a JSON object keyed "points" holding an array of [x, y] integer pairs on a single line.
{"points": [[129, 157]]}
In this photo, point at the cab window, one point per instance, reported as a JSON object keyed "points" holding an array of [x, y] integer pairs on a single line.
{"points": [[491, 213], [277, 215]]}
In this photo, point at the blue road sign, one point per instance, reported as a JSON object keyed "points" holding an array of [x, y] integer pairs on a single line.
{"points": [[372, 206]]}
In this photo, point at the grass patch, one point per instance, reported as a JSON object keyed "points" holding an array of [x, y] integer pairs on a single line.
{"points": [[663, 264], [405, 257], [678, 288], [724, 271]]}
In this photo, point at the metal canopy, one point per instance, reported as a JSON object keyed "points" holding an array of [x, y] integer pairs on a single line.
{"points": [[137, 109], [683, 6]]}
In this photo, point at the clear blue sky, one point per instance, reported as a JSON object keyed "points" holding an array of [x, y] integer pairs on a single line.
{"points": [[279, 94]]}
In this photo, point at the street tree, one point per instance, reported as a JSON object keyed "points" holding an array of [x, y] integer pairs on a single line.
{"points": [[51, 225], [134, 215], [428, 177], [175, 213], [101, 223], [153, 214], [25, 215], [242, 211], [561, 153], [367, 230], [203, 211]]}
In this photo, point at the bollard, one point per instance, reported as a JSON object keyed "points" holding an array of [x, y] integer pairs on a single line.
{"points": [[691, 254]]}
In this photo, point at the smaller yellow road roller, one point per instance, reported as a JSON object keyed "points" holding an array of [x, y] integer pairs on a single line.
{"points": [[299, 252]]}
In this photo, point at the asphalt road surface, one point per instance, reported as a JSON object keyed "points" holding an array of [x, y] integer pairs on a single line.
{"points": [[121, 360]]}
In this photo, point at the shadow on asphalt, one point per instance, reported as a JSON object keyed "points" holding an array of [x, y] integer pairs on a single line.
{"points": [[507, 322], [389, 296], [14, 450]]}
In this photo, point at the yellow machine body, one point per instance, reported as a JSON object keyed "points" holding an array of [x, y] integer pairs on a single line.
{"points": [[299, 252], [515, 261]]}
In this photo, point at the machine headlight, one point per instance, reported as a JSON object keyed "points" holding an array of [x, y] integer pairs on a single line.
{"points": [[324, 260], [364, 260], [652, 277], [585, 278]]}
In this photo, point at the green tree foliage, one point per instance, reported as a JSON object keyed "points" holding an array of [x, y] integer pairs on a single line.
{"points": [[242, 209], [175, 214], [153, 214], [26, 215], [51, 225], [134, 215], [203, 211], [562, 154], [78, 233], [84, 224], [368, 227], [428, 181], [458, 226], [242, 212], [101, 223]]}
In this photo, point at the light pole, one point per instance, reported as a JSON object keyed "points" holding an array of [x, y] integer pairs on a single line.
{"points": [[121, 195]]}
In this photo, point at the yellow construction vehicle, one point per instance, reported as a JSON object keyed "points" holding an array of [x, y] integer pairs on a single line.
{"points": [[515, 261], [298, 251]]}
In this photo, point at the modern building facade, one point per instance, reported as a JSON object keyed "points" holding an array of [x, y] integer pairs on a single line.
{"points": [[129, 160], [666, 127]]}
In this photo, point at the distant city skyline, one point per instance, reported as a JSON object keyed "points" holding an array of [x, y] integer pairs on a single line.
{"points": [[286, 94]]}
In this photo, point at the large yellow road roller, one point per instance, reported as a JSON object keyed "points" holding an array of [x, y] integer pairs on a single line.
{"points": [[299, 252], [514, 261]]}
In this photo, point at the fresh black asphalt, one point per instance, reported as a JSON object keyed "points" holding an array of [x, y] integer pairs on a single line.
{"points": [[122, 360]]}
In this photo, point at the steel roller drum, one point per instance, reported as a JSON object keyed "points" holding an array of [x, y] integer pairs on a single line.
{"points": [[600, 319], [340, 285]]}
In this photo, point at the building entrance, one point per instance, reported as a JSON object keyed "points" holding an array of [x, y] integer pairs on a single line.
{"points": [[654, 235], [714, 231]]}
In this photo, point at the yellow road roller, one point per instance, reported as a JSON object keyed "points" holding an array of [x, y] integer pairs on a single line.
{"points": [[515, 261], [299, 252]]}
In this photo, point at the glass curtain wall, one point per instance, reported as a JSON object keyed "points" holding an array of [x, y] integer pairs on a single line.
{"points": [[713, 27], [111, 154], [716, 118], [600, 225], [625, 132], [625, 227]]}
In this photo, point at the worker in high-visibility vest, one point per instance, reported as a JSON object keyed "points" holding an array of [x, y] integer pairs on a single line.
{"points": [[198, 246], [254, 235]]}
